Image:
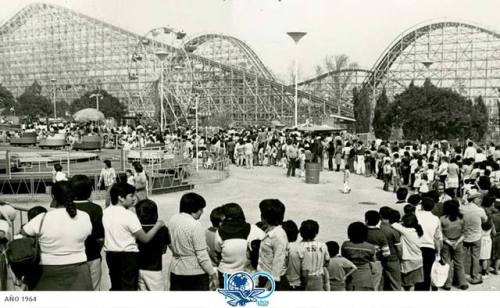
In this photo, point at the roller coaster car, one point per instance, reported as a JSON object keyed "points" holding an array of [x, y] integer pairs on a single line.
{"points": [[88, 143], [26, 139]]}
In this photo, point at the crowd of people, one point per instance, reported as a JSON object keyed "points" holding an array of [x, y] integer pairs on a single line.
{"points": [[447, 211]]}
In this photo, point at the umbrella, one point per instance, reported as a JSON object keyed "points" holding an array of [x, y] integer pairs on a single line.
{"points": [[88, 114]]}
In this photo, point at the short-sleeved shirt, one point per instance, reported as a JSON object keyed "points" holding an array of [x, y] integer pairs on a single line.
{"points": [[315, 256], [359, 254], [393, 238], [337, 269], [452, 230], [377, 238], [62, 239], [294, 264], [150, 254], [473, 218], [120, 225], [92, 245]]}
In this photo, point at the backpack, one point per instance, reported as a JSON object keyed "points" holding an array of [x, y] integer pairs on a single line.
{"points": [[23, 254]]}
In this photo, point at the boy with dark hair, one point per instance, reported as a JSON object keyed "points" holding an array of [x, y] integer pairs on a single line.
{"points": [[339, 268], [316, 257], [216, 218], [377, 238], [122, 229], [295, 256], [82, 189], [414, 200], [391, 275], [35, 211], [401, 195]]}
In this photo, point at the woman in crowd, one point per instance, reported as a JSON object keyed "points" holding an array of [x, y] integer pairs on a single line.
{"points": [[141, 182], [190, 268], [452, 224], [411, 262], [232, 240], [62, 244]]}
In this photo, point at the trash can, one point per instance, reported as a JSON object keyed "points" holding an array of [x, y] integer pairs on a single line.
{"points": [[312, 173]]}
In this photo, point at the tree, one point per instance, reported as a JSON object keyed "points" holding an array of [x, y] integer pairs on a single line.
{"points": [[62, 107], [382, 121], [431, 113], [479, 118], [33, 104], [362, 109], [7, 100], [109, 105]]}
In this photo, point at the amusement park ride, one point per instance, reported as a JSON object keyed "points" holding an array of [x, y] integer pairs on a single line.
{"points": [[165, 73]]}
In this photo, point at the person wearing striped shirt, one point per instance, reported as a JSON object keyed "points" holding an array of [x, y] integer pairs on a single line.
{"points": [[376, 237], [315, 258], [191, 268], [108, 178]]}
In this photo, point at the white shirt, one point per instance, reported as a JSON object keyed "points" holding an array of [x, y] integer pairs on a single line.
{"points": [[62, 239], [234, 251], [480, 157], [431, 226], [59, 176], [120, 225], [470, 152]]}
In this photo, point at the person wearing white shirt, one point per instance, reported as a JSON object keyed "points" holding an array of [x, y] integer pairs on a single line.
{"points": [[480, 156], [62, 234], [470, 151], [122, 230], [431, 240]]}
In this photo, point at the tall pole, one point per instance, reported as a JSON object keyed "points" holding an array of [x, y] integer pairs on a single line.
{"points": [[296, 99], [296, 36], [161, 97], [196, 127]]}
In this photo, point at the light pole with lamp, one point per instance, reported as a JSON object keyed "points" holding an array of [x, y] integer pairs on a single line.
{"points": [[97, 97], [161, 56], [53, 81], [296, 36]]}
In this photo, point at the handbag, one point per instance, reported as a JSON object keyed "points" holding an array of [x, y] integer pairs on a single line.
{"points": [[24, 253], [439, 273]]}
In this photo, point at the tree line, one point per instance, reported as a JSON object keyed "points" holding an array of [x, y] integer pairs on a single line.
{"points": [[32, 104], [424, 112]]}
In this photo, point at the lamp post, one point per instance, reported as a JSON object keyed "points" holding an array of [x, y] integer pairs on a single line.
{"points": [[53, 81], [296, 36], [161, 56], [196, 101], [97, 97]]}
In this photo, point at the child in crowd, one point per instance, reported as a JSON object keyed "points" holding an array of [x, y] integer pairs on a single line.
{"points": [[401, 195], [423, 186], [395, 175], [216, 218], [58, 175], [302, 160], [486, 247], [347, 185], [122, 230], [315, 259], [339, 268], [130, 177], [295, 256], [150, 254], [387, 169]]}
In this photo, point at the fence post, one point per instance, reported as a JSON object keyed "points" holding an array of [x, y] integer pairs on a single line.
{"points": [[122, 160], [7, 167], [69, 162]]}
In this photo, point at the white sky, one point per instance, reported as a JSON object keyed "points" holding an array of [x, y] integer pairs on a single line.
{"points": [[362, 29]]}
